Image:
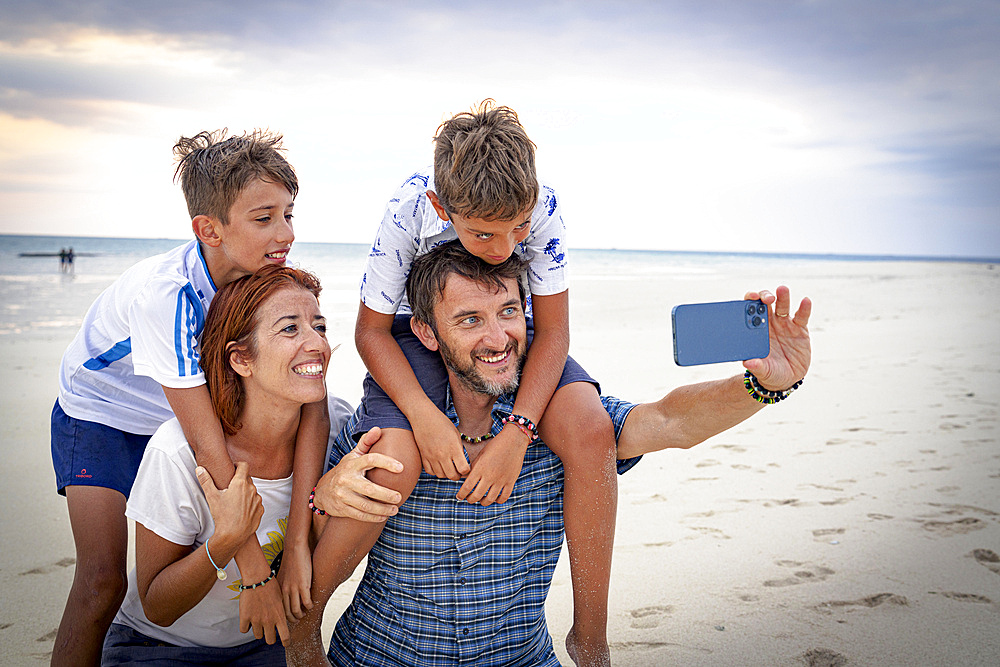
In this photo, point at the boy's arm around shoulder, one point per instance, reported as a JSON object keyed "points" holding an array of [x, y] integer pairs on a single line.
{"points": [[310, 447], [202, 429], [436, 437], [546, 356]]}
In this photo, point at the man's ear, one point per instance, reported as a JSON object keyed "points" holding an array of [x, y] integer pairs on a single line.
{"points": [[237, 360], [425, 333], [206, 228], [436, 203]]}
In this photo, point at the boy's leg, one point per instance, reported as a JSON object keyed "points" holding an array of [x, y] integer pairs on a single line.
{"points": [[577, 428], [100, 533], [345, 542]]}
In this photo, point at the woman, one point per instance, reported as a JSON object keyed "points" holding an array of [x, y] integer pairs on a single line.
{"points": [[265, 355]]}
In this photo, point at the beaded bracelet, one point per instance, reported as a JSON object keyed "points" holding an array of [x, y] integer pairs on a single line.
{"points": [[476, 440], [763, 395], [219, 572], [312, 505], [258, 584], [526, 425]]}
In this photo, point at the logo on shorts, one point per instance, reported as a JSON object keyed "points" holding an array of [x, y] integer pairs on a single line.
{"points": [[83, 473]]}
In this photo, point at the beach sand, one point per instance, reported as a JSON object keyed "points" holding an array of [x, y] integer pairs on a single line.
{"points": [[857, 523]]}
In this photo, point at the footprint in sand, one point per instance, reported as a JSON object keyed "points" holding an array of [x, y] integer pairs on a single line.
{"points": [[869, 602], [649, 617], [988, 559], [53, 567], [711, 532], [823, 657], [957, 527], [826, 534], [963, 597], [805, 573]]}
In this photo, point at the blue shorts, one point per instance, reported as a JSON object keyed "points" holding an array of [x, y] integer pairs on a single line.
{"points": [[124, 645], [90, 454], [377, 409]]}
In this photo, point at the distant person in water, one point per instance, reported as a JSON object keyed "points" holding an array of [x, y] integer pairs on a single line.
{"points": [[69, 260], [63, 259]]}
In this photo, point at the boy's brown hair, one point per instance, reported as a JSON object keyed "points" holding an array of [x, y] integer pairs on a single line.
{"points": [[213, 169], [484, 164]]}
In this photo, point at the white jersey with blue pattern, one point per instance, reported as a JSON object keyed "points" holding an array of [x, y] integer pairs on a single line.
{"points": [[140, 335], [411, 227]]}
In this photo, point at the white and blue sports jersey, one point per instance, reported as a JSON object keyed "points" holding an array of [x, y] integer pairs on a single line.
{"points": [[141, 334], [411, 227]]}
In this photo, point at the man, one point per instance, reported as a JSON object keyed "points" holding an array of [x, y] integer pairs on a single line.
{"points": [[449, 582]]}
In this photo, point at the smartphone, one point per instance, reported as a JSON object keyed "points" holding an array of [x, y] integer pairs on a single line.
{"points": [[710, 333]]}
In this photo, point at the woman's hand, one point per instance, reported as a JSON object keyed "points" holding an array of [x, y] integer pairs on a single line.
{"points": [[345, 491], [237, 510]]}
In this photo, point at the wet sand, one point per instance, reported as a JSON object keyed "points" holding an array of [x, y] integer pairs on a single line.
{"points": [[856, 523]]}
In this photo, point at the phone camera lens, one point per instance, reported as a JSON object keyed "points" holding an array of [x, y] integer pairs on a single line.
{"points": [[761, 308], [757, 321], [750, 309]]}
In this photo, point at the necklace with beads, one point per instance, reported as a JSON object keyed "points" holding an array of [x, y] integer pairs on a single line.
{"points": [[477, 440]]}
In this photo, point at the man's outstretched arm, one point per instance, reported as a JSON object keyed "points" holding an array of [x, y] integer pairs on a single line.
{"points": [[693, 413]]}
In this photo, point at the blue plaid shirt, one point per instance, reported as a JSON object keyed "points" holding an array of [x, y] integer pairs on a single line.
{"points": [[451, 583]]}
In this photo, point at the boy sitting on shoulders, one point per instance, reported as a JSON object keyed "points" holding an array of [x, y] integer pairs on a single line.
{"points": [[483, 191]]}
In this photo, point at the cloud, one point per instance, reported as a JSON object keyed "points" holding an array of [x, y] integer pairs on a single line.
{"points": [[891, 106]]}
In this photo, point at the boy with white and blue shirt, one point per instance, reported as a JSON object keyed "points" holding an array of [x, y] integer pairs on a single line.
{"points": [[411, 226], [135, 364], [141, 334], [485, 194]]}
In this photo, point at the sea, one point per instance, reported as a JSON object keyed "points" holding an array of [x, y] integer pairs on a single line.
{"points": [[37, 296]]}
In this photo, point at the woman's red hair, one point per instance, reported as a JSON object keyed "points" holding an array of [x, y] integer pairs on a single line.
{"points": [[230, 327]]}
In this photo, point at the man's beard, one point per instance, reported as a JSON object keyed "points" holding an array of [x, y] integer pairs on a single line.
{"points": [[473, 379]]}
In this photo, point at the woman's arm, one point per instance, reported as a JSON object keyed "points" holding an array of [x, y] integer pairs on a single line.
{"points": [[261, 609], [173, 578]]}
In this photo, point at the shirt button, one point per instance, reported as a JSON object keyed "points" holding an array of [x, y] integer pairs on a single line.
{"points": [[465, 631], [462, 581]]}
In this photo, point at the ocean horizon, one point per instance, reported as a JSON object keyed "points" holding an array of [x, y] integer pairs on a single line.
{"points": [[89, 245]]}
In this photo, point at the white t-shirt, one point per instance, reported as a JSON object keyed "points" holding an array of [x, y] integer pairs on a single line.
{"points": [[141, 332], [167, 499], [411, 227]]}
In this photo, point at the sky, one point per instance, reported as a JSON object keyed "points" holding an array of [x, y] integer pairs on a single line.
{"points": [[820, 126]]}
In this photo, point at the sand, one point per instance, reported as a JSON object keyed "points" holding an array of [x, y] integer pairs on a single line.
{"points": [[857, 523]]}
